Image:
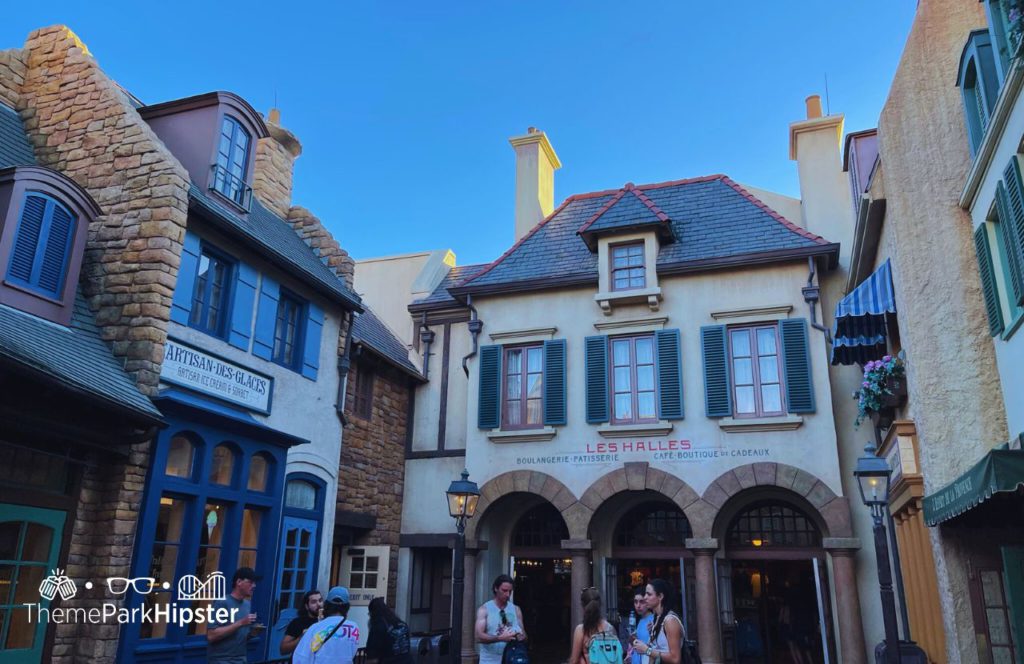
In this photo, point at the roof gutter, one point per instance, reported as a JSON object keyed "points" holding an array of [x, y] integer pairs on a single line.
{"points": [[811, 294]]}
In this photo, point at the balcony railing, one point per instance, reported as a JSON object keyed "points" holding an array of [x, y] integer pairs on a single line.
{"points": [[230, 187]]}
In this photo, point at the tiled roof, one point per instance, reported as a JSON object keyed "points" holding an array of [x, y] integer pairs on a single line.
{"points": [[440, 295], [273, 237], [75, 356], [15, 150], [371, 331], [627, 209], [712, 218]]}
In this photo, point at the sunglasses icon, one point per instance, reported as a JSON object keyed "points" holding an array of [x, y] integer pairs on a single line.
{"points": [[143, 585]]}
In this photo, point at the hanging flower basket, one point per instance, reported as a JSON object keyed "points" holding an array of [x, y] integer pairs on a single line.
{"points": [[882, 391]]}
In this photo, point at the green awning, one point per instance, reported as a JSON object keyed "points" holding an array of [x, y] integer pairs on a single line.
{"points": [[999, 471]]}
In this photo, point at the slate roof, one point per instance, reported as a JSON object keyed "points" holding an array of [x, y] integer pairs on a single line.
{"points": [[370, 331], [440, 296], [714, 220], [76, 356], [15, 150], [627, 209], [273, 237]]}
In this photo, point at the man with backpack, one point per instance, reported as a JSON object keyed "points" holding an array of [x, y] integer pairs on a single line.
{"points": [[499, 622], [334, 639]]}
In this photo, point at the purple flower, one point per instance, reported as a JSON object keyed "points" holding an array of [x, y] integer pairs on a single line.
{"points": [[887, 358], [865, 384]]}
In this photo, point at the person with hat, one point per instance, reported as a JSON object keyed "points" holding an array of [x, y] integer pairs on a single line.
{"points": [[226, 639], [334, 639]]}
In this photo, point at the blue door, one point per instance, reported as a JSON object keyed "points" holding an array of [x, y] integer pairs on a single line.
{"points": [[296, 574]]}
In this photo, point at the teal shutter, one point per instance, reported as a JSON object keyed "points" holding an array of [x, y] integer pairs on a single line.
{"points": [[184, 290], [717, 388], [797, 356], [489, 403], [26, 242], [56, 254], [1013, 232], [596, 368], [266, 319], [311, 341], [988, 281], [670, 374], [241, 306], [554, 382]]}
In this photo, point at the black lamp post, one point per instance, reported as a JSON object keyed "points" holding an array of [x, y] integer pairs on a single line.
{"points": [[873, 476], [463, 496]]}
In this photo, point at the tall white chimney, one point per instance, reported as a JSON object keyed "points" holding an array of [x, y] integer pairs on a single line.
{"points": [[536, 163]]}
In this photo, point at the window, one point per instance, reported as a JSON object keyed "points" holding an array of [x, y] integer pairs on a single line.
{"points": [[210, 295], [627, 268], [543, 526], [232, 162], [524, 388], [633, 388], [978, 85], [772, 525], [42, 246], [167, 545], [288, 331], [757, 379], [363, 396], [653, 524]]}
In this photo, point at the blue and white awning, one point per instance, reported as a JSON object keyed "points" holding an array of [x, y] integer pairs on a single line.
{"points": [[859, 330]]}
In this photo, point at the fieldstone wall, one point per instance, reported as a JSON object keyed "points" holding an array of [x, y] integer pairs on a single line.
{"points": [[954, 389], [12, 76], [371, 479], [275, 164]]}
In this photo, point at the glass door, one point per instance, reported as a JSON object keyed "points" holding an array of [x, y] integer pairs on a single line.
{"points": [[295, 575]]}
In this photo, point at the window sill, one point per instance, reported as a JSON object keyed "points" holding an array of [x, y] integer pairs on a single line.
{"points": [[1011, 329], [522, 435], [659, 428], [606, 300], [756, 424]]}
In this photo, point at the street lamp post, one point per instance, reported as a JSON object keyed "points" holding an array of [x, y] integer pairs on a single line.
{"points": [[463, 496], [873, 476]]}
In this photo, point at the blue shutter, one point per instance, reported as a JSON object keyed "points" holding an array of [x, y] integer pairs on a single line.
{"points": [[184, 290], [554, 382], [596, 361], [988, 281], [489, 403], [670, 374], [57, 252], [266, 319], [717, 387], [241, 306], [311, 341], [26, 242], [1013, 231], [799, 387]]}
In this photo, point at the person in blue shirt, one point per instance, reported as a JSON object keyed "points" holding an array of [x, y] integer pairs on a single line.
{"points": [[642, 630]]}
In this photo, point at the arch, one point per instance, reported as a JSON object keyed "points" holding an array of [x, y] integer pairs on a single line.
{"points": [[809, 492], [640, 476], [538, 484]]}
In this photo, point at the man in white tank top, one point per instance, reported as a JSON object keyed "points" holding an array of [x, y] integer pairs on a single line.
{"points": [[498, 621]]}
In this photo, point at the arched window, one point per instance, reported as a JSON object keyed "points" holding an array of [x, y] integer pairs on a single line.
{"points": [[42, 245], [541, 526], [180, 457], [232, 161], [259, 472], [772, 524], [222, 466], [653, 524]]}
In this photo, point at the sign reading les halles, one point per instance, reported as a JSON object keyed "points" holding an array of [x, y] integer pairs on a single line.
{"points": [[200, 371]]}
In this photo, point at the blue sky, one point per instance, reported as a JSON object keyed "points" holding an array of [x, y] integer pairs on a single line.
{"points": [[404, 108]]}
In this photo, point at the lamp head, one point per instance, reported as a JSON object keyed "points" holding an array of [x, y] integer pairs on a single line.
{"points": [[873, 475], [463, 496]]}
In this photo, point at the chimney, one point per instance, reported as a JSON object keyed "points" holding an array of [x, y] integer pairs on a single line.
{"points": [[536, 163], [275, 163]]}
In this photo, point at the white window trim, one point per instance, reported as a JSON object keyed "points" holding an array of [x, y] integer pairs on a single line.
{"points": [[631, 325], [607, 298], [764, 314], [524, 336], [759, 424], [659, 428], [522, 435]]}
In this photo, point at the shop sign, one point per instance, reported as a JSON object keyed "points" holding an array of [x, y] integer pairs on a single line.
{"points": [[214, 376], [619, 451]]}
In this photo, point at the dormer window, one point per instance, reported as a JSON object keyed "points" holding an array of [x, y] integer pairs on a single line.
{"points": [[627, 268], [232, 161], [42, 246]]}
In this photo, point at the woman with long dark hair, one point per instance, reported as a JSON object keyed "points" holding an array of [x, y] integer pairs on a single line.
{"points": [[388, 642], [594, 627], [665, 645]]}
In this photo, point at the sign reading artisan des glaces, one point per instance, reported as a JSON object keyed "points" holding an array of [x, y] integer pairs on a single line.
{"points": [[214, 376]]}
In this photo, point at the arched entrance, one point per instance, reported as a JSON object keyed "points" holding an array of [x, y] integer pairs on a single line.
{"points": [[773, 583]]}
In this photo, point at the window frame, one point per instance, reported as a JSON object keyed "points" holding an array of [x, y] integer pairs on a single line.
{"points": [[612, 270], [755, 366], [198, 320], [42, 244], [362, 396], [224, 162], [634, 390], [300, 308], [524, 374]]}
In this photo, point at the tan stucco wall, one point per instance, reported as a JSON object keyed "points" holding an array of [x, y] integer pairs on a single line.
{"points": [[386, 285], [787, 206]]}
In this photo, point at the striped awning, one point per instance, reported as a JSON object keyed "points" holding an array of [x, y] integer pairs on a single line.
{"points": [[858, 332]]}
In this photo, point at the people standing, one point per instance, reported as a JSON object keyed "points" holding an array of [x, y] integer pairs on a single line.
{"points": [[594, 641], [642, 628], [334, 639], [388, 642], [666, 638], [498, 621], [309, 615], [226, 639]]}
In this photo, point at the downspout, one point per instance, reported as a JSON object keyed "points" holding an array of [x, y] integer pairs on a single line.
{"points": [[475, 325], [426, 337], [344, 366], [811, 292]]}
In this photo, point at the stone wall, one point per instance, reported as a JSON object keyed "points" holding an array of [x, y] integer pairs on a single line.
{"points": [[275, 163], [12, 76], [371, 479]]}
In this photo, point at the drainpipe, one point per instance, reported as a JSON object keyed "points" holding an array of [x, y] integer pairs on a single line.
{"points": [[344, 365], [475, 325], [426, 338], [810, 293]]}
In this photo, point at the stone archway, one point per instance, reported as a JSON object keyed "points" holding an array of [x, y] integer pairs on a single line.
{"points": [[538, 484]]}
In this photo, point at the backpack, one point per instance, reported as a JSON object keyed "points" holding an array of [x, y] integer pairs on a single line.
{"points": [[516, 652], [398, 636], [604, 648]]}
